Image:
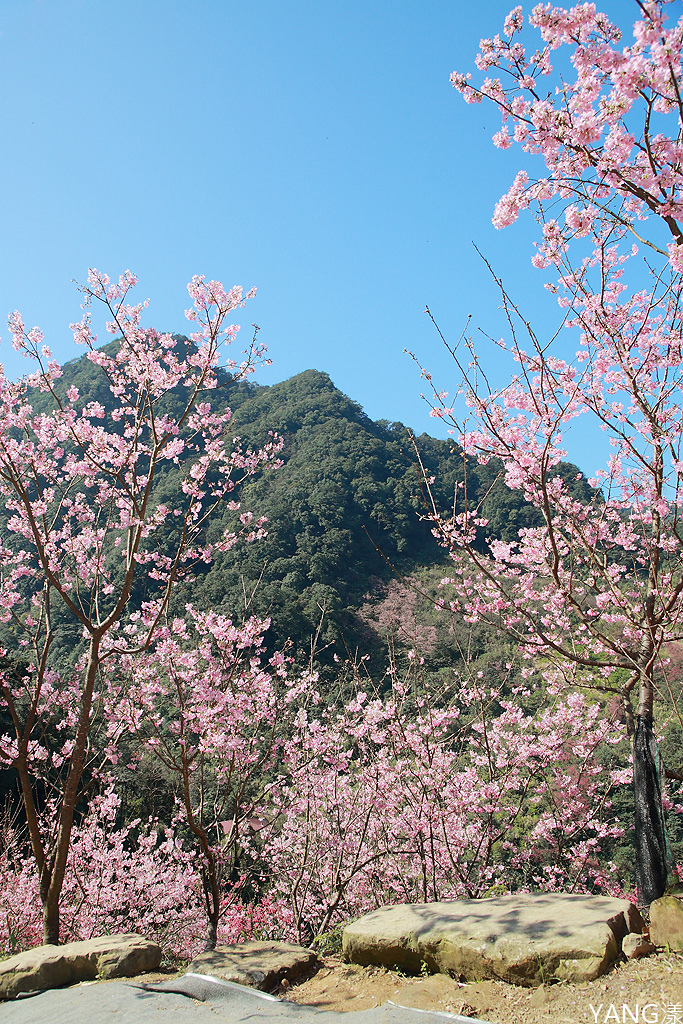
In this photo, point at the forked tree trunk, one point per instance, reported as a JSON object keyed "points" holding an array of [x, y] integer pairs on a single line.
{"points": [[652, 860]]}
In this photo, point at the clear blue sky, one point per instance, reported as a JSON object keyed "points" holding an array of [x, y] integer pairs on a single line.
{"points": [[312, 148]]}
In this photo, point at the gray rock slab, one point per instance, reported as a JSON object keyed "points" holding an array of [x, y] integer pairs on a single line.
{"points": [[108, 956], [528, 939], [261, 965], [221, 1003]]}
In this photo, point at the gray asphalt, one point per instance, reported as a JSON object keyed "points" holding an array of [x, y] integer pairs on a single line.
{"points": [[204, 1000]]}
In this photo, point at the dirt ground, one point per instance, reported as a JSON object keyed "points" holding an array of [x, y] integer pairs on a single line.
{"points": [[655, 982], [647, 991]]}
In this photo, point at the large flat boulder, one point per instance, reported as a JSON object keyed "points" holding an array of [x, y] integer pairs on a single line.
{"points": [[109, 956], [262, 965], [529, 939], [666, 922]]}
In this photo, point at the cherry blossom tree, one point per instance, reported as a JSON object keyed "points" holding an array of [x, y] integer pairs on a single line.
{"points": [[414, 795], [86, 524], [200, 700], [595, 589], [394, 617], [136, 877]]}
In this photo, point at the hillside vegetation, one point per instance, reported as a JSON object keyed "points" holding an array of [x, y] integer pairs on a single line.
{"points": [[343, 512]]}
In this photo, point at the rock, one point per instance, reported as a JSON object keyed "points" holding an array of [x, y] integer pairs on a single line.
{"points": [[540, 997], [109, 956], [527, 939], [636, 946], [262, 965], [666, 922]]}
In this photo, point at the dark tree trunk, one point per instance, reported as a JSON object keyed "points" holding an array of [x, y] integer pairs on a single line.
{"points": [[51, 923], [52, 874], [650, 834]]}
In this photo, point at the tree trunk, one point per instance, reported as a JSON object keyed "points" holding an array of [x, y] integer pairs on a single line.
{"points": [[650, 834], [52, 876], [211, 935], [51, 923]]}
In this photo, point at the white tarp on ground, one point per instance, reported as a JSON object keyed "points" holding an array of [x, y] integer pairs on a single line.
{"points": [[193, 999]]}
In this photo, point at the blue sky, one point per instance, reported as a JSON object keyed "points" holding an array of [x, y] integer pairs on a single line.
{"points": [[312, 148]]}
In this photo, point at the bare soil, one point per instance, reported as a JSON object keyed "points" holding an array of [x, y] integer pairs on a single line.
{"points": [[656, 981]]}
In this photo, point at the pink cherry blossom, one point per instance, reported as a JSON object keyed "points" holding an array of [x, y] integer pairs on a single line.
{"points": [[81, 489], [595, 588]]}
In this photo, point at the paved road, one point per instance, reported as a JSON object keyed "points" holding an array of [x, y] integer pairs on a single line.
{"points": [[205, 1001]]}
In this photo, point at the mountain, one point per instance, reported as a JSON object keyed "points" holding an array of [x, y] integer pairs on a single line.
{"points": [[344, 510], [344, 505]]}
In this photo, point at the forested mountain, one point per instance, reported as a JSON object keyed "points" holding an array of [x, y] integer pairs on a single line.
{"points": [[344, 510]]}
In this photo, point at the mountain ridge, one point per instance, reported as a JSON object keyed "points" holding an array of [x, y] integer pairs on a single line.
{"points": [[345, 511]]}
